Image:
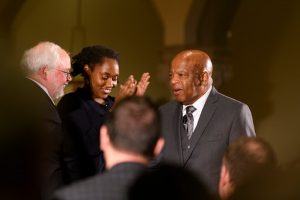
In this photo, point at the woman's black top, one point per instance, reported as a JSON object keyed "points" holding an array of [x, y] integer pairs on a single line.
{"points": [[82, 118]]}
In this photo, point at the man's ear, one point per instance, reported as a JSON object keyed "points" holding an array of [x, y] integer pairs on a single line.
{"points": [[204, 77], [43, 72], [159, 146], [87, 69], [225, 185], [224, 176], [104, 138]]}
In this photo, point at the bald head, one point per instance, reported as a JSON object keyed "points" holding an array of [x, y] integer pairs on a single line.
{"points": [[196, 58], [190, 75]]}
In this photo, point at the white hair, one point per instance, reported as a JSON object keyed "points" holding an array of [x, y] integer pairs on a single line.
{"points": [[44, 54]]}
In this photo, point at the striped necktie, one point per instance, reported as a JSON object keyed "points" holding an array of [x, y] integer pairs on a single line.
{"points": [[190, 120]]}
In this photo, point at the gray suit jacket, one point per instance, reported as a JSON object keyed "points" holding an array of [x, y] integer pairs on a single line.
{"points": [[222, 120], [111, 185]]}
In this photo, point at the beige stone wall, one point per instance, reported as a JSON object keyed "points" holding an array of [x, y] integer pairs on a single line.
{"points": [[133, 29], [266, 68]]}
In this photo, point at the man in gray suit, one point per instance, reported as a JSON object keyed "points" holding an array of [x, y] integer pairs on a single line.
{"points": [[201, 123], [129, 138]]}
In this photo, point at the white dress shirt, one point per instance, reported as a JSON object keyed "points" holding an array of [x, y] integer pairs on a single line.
{"points": [[199, 104]]}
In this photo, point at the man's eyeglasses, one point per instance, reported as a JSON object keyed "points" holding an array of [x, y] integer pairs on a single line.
{"points": [[67, 73]]}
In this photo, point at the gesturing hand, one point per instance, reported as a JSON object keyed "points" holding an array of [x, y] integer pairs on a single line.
{"points": [[131, 87], [127, 89], [143, 84]]}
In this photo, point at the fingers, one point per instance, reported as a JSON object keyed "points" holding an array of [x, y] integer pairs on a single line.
{"points": [[143, 84], [132, 87], [128, 88], [145, 77], [131, 82]]}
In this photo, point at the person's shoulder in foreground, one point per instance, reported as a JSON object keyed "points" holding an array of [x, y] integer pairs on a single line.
{"points": [[130, 139]]}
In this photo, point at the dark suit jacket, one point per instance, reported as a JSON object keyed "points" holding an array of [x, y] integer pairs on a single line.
{"points": [[82, 118], [222, 120], [30, 166], [50, 128], [111, 185]]}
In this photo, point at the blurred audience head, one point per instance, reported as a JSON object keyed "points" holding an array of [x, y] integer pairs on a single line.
{"points": [[168, 182], [132, 128], [245, 160]]}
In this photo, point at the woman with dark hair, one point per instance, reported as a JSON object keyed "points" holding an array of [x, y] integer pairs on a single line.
{"points": [[82, 112]]}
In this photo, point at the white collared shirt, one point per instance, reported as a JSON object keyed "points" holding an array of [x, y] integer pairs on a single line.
{"points": [[199, 104]]}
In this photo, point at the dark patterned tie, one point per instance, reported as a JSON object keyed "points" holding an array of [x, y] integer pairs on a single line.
{"points": [[190, 120]]}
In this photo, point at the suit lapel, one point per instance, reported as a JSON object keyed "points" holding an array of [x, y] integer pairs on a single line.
{"points": [[178, 129], [206, 114]]}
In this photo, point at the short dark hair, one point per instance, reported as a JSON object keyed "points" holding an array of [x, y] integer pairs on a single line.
{"points": [[134, 125], [247, 158], [91, 56]]}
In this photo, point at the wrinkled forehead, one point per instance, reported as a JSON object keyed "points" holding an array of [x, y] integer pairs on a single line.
{"points": [[188, 60], [191, 59]]}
